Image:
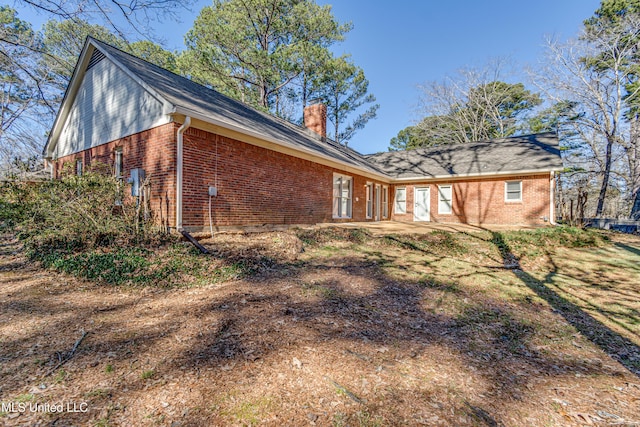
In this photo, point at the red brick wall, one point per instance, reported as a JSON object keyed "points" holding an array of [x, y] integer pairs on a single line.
{"points": [[257, 186], [482, 201], [152, 150]]}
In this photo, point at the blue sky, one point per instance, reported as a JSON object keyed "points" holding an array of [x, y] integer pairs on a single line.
{"points": [[404, 43]]}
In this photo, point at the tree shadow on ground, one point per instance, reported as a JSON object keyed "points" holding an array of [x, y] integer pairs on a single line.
{"points": [[615, 345], [488, 337], [628, 248], [345, 307]]}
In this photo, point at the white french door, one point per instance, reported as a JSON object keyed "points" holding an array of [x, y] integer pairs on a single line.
{"points": [[421, 204]]}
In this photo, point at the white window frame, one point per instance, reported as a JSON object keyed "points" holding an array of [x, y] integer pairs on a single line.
{"points": [[369, 200], [385, 201], [378, 198], [445, 205], [343, 183], [402, 204], [79, 167], [506, 192], [118, 163]]}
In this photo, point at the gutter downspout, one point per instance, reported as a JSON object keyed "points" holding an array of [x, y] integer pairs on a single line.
{"points": [[552, 205], [179, 168]]}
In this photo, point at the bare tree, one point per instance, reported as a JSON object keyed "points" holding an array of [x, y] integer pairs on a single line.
{"points": [[476, 104], [31, 73], [22, 88], [592, 71], [120, 16]]}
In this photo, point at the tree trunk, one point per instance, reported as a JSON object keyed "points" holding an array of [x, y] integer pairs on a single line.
{"points": [[634, 167], [635, 207], [605, 176], [264, 95], [559, 195]]}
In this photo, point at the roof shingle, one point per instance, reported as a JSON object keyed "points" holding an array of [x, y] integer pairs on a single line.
{"points": [[527, 153]]}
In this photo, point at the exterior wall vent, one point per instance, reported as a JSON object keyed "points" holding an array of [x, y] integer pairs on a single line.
{"points": [[96, 57]]}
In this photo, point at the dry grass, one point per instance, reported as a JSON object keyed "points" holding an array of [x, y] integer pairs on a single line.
{"points": [[355, 330]]}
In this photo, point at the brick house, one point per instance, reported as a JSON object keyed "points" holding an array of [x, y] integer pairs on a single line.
{"points": [[190, 140]]}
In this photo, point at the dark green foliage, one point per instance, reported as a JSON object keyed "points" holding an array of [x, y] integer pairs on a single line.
{"points": [[407, 139], [76, 213], [344, 89], [21, 93], [254, 50], [74, 226], [113, 268], [556, 117], [136, 266], [275, 56], [515, 245]]}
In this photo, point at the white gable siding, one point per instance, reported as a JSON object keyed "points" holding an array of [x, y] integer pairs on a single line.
{"points": [[109, 105]]}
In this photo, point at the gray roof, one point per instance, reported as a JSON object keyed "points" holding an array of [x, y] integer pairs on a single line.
{"points": [[184, 93], [520, 154]]}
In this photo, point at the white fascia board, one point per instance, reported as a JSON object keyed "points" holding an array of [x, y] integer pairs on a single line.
{"points": [[473, 175], [348, 167]]}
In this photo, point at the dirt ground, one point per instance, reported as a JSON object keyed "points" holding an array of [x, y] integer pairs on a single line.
{"points": [[328, 332]]}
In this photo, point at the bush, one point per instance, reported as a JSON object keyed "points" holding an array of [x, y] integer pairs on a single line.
{"points": [[73, 214]]}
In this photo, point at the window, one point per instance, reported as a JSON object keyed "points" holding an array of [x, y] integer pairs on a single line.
{"points": [[401, 201], [513, 191], [118, 163], [377, 205], [369, 189], [385, 201], [79, 167], [118, 174], [444, 199], [342, 196]]}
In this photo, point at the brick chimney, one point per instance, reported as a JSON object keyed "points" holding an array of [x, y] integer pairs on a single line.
{"points": [[315, 118]]}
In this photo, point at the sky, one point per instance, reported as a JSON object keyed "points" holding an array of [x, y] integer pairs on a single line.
{"points": [[401, 44]]}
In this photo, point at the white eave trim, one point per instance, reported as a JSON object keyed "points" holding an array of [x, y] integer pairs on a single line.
{"points": [[473, 175], [348, 167]]}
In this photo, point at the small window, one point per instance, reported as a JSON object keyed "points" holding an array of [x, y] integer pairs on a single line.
{"points": [[401, 201], [79, 167], [118, 163], [444, 199], [385, 201], [369, 198], [513, 191], [342, 187]]}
